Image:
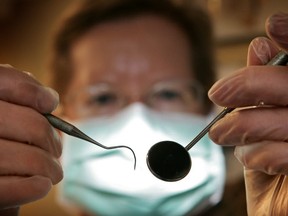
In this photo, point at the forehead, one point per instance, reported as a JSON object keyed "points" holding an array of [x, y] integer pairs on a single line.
{"points": [[133, 47]]}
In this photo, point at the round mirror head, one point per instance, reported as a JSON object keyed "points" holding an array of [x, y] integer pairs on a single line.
{"points": [[168, 161]]}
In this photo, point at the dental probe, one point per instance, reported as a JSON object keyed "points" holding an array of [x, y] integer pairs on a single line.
{"points": [[71, 130]]}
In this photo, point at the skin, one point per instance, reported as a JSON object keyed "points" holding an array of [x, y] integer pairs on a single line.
{"points": [[29, 158], [259, 134], [131, 56]]}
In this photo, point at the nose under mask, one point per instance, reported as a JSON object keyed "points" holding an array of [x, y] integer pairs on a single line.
{"points": [[105, 183]]}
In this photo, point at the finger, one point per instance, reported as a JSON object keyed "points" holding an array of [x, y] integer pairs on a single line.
{"points": [[260, 191], [26, 125], [16, 191], [251, 85], [245, 127], [269, 157], [20, 88], [17, 159], [277, 29], [260, 51]]}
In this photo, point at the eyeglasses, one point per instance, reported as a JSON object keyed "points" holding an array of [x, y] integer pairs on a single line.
{"points": [[104, 98]]}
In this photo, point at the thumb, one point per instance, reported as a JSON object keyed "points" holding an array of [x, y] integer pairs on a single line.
{"points": [[277, 29], [260, 51]]}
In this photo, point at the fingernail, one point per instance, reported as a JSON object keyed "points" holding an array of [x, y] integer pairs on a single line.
{"points": [[277, 27], [58, 145], [261, 49], [219, 90], [214, 92], [29, 74], [6, 65], [238, 153], [55, 96], [214, 89]]}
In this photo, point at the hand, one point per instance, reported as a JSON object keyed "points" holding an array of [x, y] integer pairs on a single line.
{"points": [[29, 146], [259, 133]]}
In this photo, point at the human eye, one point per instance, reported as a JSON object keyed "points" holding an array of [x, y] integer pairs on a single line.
{"points": [[95, 99], [167, 95], [174, 96], [101, 99]]}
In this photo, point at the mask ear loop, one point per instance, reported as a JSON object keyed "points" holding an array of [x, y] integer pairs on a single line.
{"points": [[71, 130]]}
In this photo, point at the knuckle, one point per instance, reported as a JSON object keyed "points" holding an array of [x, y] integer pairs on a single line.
{"points": [[263, 157], [40, 186], [277, 166], [48, 166]]}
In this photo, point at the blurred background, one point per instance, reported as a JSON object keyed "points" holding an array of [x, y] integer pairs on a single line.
{"points": [[26, 27]]}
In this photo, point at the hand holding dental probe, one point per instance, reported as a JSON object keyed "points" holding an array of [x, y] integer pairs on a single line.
{"points": [[170, 161], [73, 131]]}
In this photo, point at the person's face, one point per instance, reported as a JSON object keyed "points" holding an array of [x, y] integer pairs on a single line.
{"points": [[144, 59]]}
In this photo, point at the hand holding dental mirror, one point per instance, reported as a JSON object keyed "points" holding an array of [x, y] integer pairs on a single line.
{"points": [[170, 161]]}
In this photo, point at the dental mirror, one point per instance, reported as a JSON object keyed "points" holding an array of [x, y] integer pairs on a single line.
{"points": [[170, 161]]}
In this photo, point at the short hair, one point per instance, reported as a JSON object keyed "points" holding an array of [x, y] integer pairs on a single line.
{"points": [[194, 22]]}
